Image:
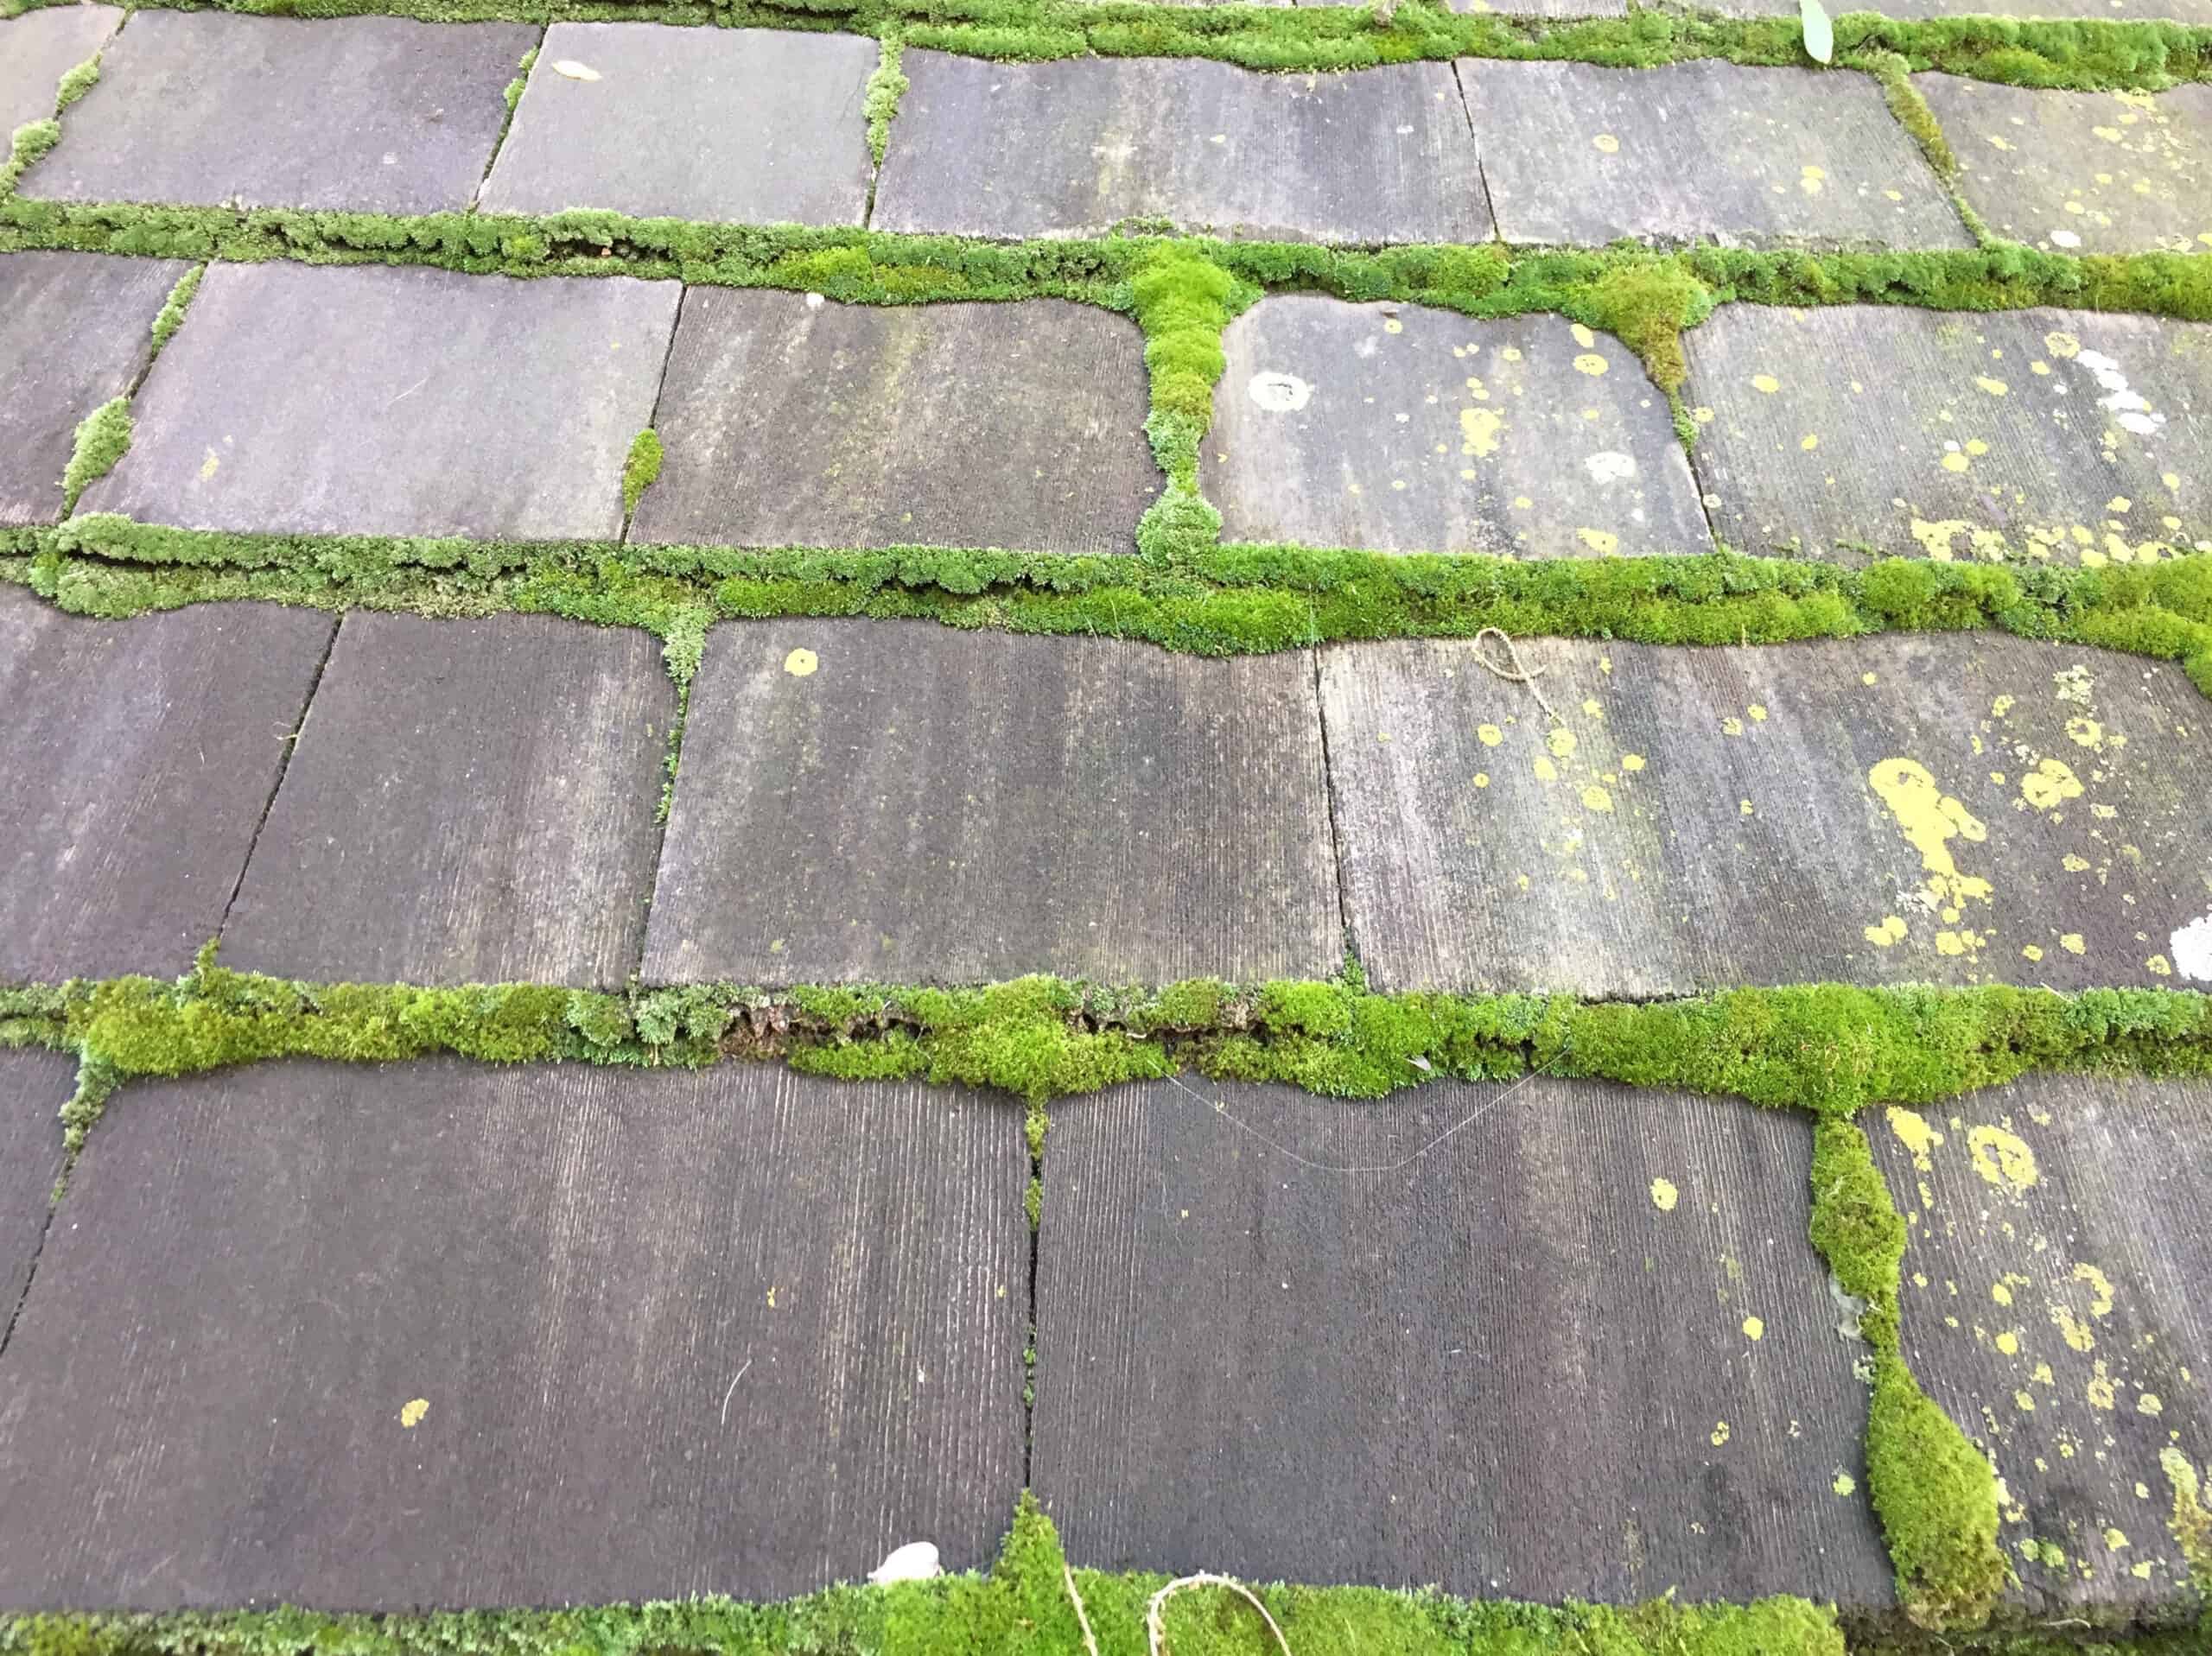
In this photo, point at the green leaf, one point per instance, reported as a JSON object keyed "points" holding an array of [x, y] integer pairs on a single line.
{"points": [[1820, 34]]}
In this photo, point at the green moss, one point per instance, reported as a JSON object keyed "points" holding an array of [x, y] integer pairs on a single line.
{"points": [[103, 438], [520, 83], [1026, 1605], [170, 317], [76, 83], [1910, 108], [1934, 1493], [641, 470], [31, 141], [886, 85], [2190, 1522]]}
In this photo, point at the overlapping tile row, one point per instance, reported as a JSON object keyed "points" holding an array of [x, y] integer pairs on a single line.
{"points": [[872, 802], [1838, 432], [378, 114]]}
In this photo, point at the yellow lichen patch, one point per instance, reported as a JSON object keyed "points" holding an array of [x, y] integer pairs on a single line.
{"points": [[2072, 943], [1766, 383], [1994, 387], [1892, 931], [1808, 442], [1597, 798], [1810, 179], [1664, 1195], [1479, 432], [2062, 346], [2051, 783], [1561, 742], [1599, 540], [2149, 1404], [1546, 771], [1719, 1433], [2115, 1541], [2031, 952], [2100, 1294], [1955, 461], [2084, 732], [1702, 415], [1590, 363], [2008, 1342], [1960, 943], [1607, 144], [2099, 1388], [411, 1412], [2119, 504], [1632, 761], [800, 662], [2002, 1158], [1914, 1132], [2072, 1328], [1754, 1329], [1392, 325], [1482, 778], [1845, 1484], [2159, 966], [1490, 735], [1930, 818]]}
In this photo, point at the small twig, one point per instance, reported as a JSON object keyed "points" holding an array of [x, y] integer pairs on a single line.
{"points": [[733, 1380], [1515, 672], [1159, 1633], [1090, 1640], [409, 393]]}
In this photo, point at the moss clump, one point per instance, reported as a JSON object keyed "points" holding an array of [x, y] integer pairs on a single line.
{"points": [[76, 83], [641, 470], [31, 141], [103, 438], [1182, 300], [170, 317], [520, 83], [1934, 1493]]}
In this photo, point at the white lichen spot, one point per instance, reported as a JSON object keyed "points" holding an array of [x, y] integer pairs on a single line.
{"points": [[1279, 393], [2192, 949]]}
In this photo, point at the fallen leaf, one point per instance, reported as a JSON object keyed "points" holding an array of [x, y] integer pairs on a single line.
{"points": [[1820, 34]]}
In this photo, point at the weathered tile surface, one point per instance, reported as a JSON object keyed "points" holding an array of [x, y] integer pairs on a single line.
{"points": [[34, 1085], [472, 802], [74, 333], [2180, 11], [2086, 172], [40, 46], [2053, 1304], [1495, 1362], [1409, 429], [896, 801], [139, 755], [743, 126], [2064, 435], [365, 1337], [1543, 8], [1077, 147], [1703, 151], [439, 404], [1945, 809], [367, 114], [793, 421]]}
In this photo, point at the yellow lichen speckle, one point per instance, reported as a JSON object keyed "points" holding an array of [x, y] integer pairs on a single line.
{"points": [[1808, 442], [800, 662], [1583, 336], [1490, 735], [1892, 931], [411, 1412], [1597, 798], [1607, 144], [1766, 383], [1754, 1329], [2073, 944], [1546, 771], [1561, 742], [2052, 783], [1482, 778], [1632, 761], [1994, 387], [1845, 1484], [1719, 1433], [1590, 363], [1598, 540], [2062, 346], [1664, 1195], [2002, 1158], [2031, 952], [1955, 461], [2009, 1343], [2148, 1404], [1930, 818], [2159, 966], [1479, 430]]}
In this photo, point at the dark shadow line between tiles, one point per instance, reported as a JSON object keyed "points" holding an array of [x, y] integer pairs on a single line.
{"points": [[30, 1276], [673, 763], [1348, 942], [291, 745], [1475, 136], [1029, 1367], [507, 125]]}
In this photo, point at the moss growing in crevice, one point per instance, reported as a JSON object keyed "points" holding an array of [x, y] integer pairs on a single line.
{"points": [[31, 141], [1934, 1493], [886, 85], [2190, 1522], [103, 438], [1829, 1048], [1182, 301], [641, 470], [1911, 110], [1215, 600], [171, 315], [1026, 1605], [513, 96]]}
